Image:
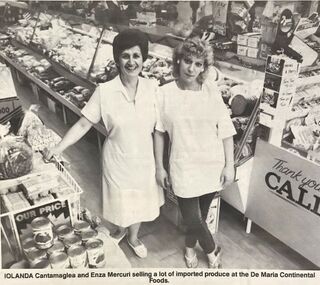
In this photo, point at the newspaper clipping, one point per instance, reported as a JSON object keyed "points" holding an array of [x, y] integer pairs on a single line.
{"points": [[159, 142]]}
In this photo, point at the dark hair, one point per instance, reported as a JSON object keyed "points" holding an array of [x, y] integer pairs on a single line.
{"points": [[193, 47], [127, 39]]}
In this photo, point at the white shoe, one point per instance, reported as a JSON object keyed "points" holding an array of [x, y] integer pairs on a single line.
{"points": [[140, 250]]}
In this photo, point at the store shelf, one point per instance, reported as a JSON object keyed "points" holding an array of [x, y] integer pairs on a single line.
{"points": [[64, 71], [99, 127]]}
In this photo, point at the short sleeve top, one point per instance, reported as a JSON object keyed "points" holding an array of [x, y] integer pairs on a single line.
{"points": [[196, 122]]}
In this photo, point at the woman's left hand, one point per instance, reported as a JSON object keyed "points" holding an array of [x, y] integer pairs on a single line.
{"points": [[227, 175]]}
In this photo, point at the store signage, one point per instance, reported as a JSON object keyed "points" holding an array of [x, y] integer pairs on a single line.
{"points": [[58, 212], [284, 198], [296, 183], [219, 14]]}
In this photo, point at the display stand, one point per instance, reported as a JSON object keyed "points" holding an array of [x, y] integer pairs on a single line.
{"points": [[10, 219]]}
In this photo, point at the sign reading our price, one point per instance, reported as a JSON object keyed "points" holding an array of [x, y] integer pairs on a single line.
{"points": [[58, 212]]}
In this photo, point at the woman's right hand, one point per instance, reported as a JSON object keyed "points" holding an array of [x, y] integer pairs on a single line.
{"points": [[49, 153], [162, 178]]}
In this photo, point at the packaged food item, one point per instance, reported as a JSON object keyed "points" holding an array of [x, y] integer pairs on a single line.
{"points": [[77, 256], [72, 240], [95, 250], [80, 226], [28, 245], [88, 234], [63, 231], [59, 260], [58, 246], [42, 264], [36, 256], [15, 158], [42, 232]]}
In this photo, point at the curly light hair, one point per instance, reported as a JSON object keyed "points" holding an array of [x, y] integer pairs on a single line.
{"points": [[193, 47]]}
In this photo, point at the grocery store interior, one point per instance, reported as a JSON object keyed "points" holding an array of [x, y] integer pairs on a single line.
{"points": [[54, 53]]}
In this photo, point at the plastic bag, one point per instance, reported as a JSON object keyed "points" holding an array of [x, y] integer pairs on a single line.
{"points": [[15, 158]]}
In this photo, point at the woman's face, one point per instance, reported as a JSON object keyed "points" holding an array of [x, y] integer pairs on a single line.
{"points": [[130, 62], [190, 68]]}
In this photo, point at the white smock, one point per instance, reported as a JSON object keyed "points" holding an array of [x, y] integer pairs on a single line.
{"points": [[130, 192], [196, 122]]}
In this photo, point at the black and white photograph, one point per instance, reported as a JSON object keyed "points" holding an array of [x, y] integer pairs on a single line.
{"points": [[152, 142]]}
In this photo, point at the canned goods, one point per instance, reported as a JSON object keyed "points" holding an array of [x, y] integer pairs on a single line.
{"points": [[63, 231], [28, 245], [95, 252], [42, 232], [59, 260], [58, 246], [80, 226], [72, 240], [42, 264], [78, 256], [88, 234], [35, 256]]}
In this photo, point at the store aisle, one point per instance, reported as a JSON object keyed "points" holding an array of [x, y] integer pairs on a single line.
{"points": [[257, 250]]}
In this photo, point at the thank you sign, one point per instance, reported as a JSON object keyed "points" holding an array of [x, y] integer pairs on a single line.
{"points": [[293, 184], [284, 198]]}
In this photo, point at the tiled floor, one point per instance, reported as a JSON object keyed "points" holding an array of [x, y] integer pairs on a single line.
{"points": [[257, 250]]}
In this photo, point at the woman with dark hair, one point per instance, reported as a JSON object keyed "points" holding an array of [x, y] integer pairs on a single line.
{"points": [[201, 145], [127, 107]]}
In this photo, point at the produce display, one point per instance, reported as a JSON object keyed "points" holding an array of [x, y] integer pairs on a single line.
{"points": [[17, 150], [33, 191], [75, 49], [302, 132], [15, 158], [38, 67]]}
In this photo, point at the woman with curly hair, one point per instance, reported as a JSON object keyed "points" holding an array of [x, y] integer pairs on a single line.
{"points": [[201, 144]]}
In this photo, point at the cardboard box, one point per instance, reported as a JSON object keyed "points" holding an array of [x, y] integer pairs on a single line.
{"points": [[252, 52], [242, 40], [254, 41], [242, 50]]}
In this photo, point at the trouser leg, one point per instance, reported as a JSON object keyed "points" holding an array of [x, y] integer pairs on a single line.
{"points": [[197, 228]]}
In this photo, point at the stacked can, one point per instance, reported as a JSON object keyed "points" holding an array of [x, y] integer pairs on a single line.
{"points": [[36, 256], [71, 240], [59, 260], [58, 246], [77, 256], [63, 231], [42, 232], [80, 226], [95, 251]]}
